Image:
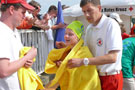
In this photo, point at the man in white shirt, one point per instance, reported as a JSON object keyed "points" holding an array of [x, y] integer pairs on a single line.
{"points": [[13, 12], [103, 38]]}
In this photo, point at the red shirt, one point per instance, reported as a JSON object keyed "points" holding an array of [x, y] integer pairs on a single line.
{"points": [[132, 30], [124, 36], [24, 25]]}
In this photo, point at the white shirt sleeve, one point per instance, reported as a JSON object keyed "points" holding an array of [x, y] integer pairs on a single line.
{"points": [[4, 47], [114, 39]]}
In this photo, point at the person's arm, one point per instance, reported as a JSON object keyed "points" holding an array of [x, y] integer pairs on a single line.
{"points": [[109, 58], [7, 68], [132, 35], [43, 27], [41, 24], [60, 25], [27, 23]]}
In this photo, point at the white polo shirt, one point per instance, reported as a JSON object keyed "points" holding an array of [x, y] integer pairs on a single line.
{"points": [[102, 38], [10, 45]]}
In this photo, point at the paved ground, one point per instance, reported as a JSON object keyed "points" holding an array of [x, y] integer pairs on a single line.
{"points": [[46, 78]]}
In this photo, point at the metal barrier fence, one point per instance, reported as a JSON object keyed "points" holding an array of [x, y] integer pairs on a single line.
{"points": [[39, 40]]}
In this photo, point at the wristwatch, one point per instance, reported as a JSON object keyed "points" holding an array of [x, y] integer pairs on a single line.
{"points": [[85, 61]]}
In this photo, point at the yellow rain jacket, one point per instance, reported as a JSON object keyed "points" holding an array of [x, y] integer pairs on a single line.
{"points": [[80, 78], [28, 79]]}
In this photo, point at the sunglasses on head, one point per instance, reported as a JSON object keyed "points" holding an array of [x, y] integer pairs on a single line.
{"points": [[35, 7]]}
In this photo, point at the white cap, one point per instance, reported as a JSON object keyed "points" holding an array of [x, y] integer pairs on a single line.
{"points": [[116, 16]]}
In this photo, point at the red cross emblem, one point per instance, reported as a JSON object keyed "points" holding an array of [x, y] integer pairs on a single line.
{"points": [[130, 8], [99, 42]]}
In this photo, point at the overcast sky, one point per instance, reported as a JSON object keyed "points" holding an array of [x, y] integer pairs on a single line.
{"points": [[46, 3]]}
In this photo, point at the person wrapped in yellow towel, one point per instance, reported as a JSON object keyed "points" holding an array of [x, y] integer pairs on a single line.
{"points": [[28, 79], [80, 78]]}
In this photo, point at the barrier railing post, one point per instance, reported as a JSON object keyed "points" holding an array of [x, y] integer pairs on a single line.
{"points": [[39, 40]]}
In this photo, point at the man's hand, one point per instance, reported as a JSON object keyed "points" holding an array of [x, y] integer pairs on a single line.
{"points": [[28, 63], [76, 62], [45, 27], [30, 20]]}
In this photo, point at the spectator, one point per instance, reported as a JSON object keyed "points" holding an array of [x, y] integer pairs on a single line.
{"points": [[128, 63], [52, 13], [33, 19], [37, 7], [36, 15], [116, 17], [124, 34], [132, 30], [13, 12], [32, 22], [103, 38]]}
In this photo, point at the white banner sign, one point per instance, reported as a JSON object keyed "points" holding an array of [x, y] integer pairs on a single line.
{"points": [[128, 10], [117, 2]]}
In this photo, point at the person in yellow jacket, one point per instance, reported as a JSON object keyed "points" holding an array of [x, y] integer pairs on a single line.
{"points": [[80, 78]]}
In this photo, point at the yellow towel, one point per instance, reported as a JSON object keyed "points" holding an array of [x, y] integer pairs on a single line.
{"points": [[28, 79], [80, 78]]}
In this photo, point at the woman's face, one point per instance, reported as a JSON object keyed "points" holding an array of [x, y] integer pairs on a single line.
{"points": [[70, 38]]}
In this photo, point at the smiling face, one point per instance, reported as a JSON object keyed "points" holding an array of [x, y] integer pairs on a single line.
{"points": [[70, 38], [92, 13]]}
